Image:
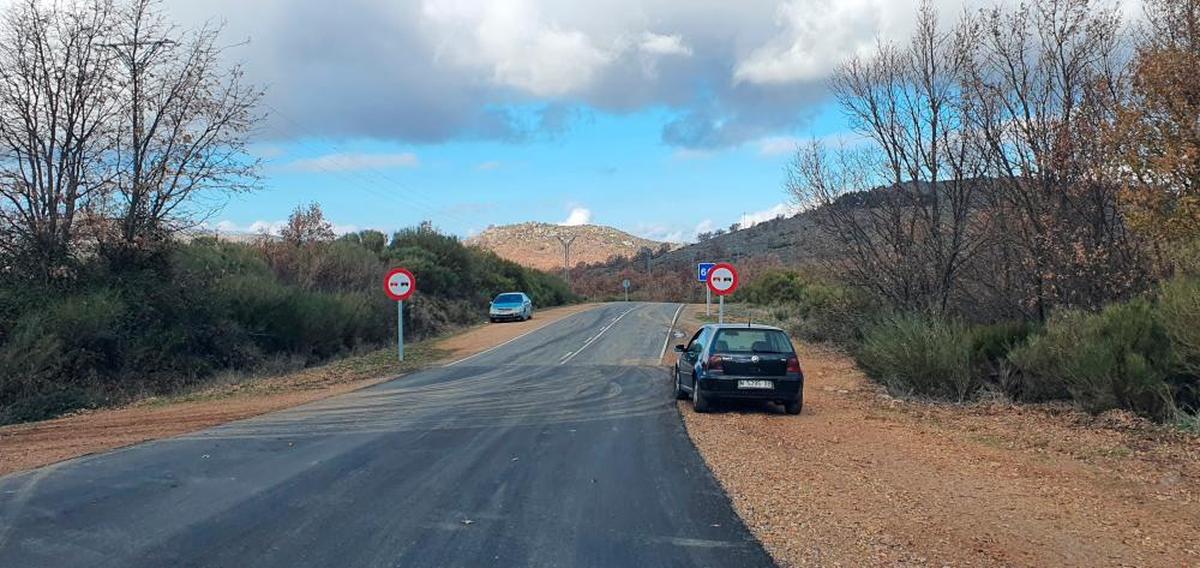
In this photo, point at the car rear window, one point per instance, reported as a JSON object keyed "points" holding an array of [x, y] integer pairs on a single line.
{"points": [[752, 341], [509, 299]]}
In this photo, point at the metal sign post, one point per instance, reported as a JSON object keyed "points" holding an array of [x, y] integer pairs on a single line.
{"points": [[399, 284], [626, 285], [400, 329], [722, 281], [702, 270]]}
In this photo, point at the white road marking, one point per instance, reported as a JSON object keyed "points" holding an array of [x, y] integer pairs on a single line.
{"points": [[670, 330], [490, 349], [597, 336]]}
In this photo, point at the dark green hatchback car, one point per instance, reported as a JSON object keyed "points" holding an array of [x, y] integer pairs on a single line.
{"points": [[739, 361]]}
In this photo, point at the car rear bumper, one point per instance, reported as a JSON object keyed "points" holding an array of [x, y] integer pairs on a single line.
{"points": [[785, 388]]}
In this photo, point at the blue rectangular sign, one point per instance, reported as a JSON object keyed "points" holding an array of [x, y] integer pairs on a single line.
{"points": [[702, 270]]}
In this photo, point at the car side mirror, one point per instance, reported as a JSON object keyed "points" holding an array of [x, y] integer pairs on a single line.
{"points": [[680, 349]]}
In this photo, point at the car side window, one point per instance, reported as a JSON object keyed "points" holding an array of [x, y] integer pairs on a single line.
{"points": [[697, 343]]}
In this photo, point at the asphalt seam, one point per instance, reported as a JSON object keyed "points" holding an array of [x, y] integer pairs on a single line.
{"points": [[593, 339], [495, 347]]}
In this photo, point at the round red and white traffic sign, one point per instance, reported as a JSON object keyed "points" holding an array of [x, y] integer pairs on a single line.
{"points": [[399, 284], [723, 279]]}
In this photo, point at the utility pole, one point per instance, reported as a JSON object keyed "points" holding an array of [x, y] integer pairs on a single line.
{"points": [[566, 245]]}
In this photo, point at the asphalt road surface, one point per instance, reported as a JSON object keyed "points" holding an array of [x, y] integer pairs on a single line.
{"points": [[560, 448]]}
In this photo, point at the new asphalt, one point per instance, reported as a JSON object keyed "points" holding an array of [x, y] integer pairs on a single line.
{"points": [[560, 448]]}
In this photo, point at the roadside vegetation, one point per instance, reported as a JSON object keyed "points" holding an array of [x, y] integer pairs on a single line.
{"points": [[1032, 232], [204, 307], [108, 290]]}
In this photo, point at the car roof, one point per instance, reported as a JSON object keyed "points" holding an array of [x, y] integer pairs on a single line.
{"points": [[718, 326]]}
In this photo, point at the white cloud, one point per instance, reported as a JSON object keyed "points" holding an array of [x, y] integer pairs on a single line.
{"points": [[661, 233], [489, 165], [354, 161], [816, 37], [658, 44], [578, 216], [705, 226], [268, 227], [511, 39], [782, 209], [431, 71], [777, 145]]}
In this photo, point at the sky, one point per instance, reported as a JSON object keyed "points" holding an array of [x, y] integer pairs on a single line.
{"points": [[662, 118]]}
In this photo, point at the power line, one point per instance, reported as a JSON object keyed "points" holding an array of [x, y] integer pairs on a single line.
{"points": [[386, 189]]}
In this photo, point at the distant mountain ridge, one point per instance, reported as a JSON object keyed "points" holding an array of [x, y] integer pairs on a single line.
{"points": [[536, 245]]}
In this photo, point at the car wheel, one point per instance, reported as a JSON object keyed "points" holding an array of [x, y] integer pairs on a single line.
{"points": [[679, 394], [700, 402], [794, 406]]}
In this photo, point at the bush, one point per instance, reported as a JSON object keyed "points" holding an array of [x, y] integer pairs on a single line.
{"points": [[811, 309], [918, 354], [1179, 312], [1118, 358], [193, 309]]}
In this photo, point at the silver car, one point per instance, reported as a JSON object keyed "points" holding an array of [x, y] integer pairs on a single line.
{"points": [[511, 306]]}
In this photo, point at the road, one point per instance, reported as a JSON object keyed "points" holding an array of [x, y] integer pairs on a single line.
{"points": [[560, 448]]}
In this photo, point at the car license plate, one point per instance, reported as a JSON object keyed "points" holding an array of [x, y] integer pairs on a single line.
{"points": [[755, 385]]}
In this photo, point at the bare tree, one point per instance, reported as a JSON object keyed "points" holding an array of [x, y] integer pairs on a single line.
{"points": [[911, 241], [56, 109], [1043, 84], [184, 127]]}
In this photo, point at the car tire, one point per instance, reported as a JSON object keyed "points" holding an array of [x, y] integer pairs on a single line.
{"points": [[679, 394], [700, 402], [794, 406]]}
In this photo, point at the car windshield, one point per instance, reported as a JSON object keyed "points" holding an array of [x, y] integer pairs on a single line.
{"points": [[752, 340], [508, 299]]}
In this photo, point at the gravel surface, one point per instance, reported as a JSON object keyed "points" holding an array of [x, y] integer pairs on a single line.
{"points": [[860, 478]]}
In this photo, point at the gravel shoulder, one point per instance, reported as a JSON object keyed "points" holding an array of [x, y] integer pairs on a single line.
{"points": [[860, 478], [32, 445]]}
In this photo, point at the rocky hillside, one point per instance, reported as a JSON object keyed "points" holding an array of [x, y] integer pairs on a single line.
{"points": [[536, 244]]}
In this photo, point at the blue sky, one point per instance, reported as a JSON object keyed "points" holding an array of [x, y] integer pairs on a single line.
{"points": [[660, 117], [610, 169]]}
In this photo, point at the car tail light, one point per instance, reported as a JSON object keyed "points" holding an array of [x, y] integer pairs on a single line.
{"points": [[793, 364], [715, 363]]}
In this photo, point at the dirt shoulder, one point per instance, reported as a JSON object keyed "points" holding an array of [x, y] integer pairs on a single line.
{"points": [[859, 478], [27, 446]]}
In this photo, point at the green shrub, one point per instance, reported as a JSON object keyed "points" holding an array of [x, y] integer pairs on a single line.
{"points": [[158, 323], [810, 308], [1179, 312], [1118, 358], [918, 354], [991, 343]]}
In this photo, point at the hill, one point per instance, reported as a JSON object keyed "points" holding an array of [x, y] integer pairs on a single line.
{"points": [[536, 245]]}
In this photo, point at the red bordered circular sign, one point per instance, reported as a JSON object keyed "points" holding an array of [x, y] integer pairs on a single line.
{"points": [[723, 279], [399, 284]]}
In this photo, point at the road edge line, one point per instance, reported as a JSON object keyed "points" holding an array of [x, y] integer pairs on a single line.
{"points": [[671, 329]]}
